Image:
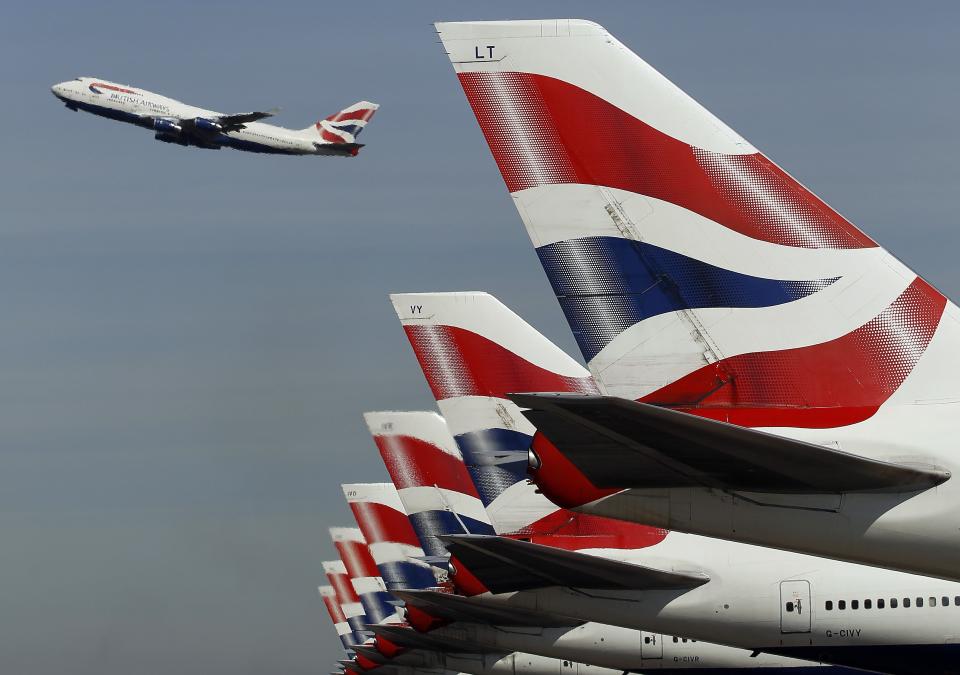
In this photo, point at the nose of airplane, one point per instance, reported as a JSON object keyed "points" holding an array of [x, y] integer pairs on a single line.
{"points": [[59, 90]]}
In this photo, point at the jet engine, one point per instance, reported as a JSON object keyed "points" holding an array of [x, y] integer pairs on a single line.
{"points": [[167, 127], [203, 124]]}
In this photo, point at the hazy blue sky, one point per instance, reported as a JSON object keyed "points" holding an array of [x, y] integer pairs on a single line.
{"points": [[189, 338]]}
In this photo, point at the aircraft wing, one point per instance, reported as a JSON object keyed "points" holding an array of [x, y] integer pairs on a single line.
{"points": [[460, 608], [618, 443], [370, 653], [236, 121], [504, 565]]}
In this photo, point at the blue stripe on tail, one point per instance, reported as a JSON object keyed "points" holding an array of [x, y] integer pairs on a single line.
{"points": [[480, 447], [607, 284]]}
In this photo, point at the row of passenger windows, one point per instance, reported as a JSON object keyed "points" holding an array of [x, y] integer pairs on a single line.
{"points": [[881, 603]]}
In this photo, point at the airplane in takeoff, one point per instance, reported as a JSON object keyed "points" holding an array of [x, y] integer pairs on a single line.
{"points": [[182, 124], [768, 373]]}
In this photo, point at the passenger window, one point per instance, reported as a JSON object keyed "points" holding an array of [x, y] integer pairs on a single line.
{"points": [[906, 602], [893, 603], [841, 604], [789, 606], [945, 601], [868, 604], [828, 605], [879, 603], [684, 640], [854, 604], [676, 639], [933, 601], [956, 600], [919, 602], [646, 640]]}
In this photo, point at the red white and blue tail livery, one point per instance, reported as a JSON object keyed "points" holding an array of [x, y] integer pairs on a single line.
{"points": [[474, 351], [699, 277], [390, 537], [428, 471], [364, 575], [347, 597], [347, 637]]}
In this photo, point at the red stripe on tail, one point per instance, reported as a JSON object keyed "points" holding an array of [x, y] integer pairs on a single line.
{"points": [[458, 362], [832, 384], [412, 462], [544, 131]]}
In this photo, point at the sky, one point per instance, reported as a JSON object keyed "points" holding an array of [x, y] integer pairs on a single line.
{"points": [[188, 338]]}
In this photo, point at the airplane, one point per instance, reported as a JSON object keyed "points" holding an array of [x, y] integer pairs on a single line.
{"points": [[541, 651], [768, 373], [473, 351], [437, 493], [423, 654], [187, 125]]}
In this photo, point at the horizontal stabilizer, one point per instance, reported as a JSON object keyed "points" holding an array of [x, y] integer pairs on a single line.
{"points": [[460, 608], [408, 637], [371, 653], [238, 120], [504, 565], [619, 443]]}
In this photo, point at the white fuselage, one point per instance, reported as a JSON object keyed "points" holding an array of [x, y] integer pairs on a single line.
{"points": [[150, 110], [614, 649], [675, 654], [787, 603]]}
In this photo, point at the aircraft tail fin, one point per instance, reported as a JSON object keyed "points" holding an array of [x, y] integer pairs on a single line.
{"points": [[342, 128], [474, 352], [693, 271], [349, 601], [364, 575], [390, 537], [348, 638], [426, 467]]}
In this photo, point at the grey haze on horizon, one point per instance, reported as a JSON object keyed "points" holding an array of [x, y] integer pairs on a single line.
{"points": [[189, 338]]}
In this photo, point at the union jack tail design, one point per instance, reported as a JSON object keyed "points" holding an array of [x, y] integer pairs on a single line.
{"points": [[344, 127], [693, 271], [390, 536], [364, 577], [473, 350], [428, 471], [347, 597], [347, 637]]}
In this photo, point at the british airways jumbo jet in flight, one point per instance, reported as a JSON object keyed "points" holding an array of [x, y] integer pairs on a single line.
{"points": [[176, 122]]}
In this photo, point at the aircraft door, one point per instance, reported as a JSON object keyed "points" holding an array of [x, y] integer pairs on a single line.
{"points": [[795, 606], [651, 645]]}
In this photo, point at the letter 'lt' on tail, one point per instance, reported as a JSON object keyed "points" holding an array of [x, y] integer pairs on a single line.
{"points": [[694, 272]]}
